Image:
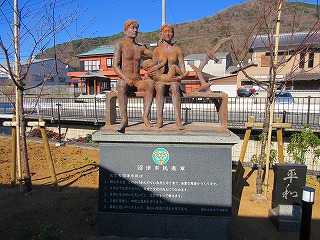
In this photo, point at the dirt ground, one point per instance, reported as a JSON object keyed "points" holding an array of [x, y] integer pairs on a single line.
{"points": [[71, 213]]}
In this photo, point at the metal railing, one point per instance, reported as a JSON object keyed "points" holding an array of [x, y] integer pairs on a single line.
{"points": [[304, 110]]}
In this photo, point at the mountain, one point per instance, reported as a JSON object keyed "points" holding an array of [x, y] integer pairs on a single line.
{"points": [[195, 36]]}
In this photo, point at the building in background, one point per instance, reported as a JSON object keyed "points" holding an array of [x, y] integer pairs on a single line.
{"points": [[96, 72], [217, 70], [302, 72], [50, 75]]}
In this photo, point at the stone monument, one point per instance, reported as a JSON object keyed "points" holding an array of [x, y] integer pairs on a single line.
{"points": [[168, 181]]}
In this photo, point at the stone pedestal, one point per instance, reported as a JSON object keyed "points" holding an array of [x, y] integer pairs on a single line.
{"points": [[165, 186], [286, 218]]}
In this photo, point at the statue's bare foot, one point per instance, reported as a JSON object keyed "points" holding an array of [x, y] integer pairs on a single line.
{"points": [[159, 123], [123, 126], [180, 126], [146, 121]]}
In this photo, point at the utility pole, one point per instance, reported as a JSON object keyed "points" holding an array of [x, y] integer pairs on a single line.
{"points": [[16, 66], [163, 12]]}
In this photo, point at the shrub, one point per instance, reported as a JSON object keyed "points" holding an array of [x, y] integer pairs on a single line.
{"points": [[303, 143]]}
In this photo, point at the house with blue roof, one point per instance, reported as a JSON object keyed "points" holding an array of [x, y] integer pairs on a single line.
{"points": [[96, 72]]}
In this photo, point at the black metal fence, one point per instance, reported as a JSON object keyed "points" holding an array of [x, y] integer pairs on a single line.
{"points": [[303, 110]]}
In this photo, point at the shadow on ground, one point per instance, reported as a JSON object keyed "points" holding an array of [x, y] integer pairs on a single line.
{"points": [[72, 213]]}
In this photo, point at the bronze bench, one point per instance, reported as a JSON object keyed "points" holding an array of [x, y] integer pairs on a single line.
{"points": [[220, 99]]}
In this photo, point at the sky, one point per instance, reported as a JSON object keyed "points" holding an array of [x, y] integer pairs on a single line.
{"points": [[149, 13], [105, 18], [108, 16]]}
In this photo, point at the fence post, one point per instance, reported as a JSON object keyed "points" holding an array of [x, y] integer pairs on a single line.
{"points": [[284, 116], [95, 112], [84, 110], [52, 117], [308, 113], [186, 114], [59, 126]]}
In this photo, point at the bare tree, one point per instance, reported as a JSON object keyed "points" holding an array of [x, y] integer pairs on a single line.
{"points": [[33, 27], [264, 30]]}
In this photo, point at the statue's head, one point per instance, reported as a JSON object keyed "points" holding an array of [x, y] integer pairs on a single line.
{"points": [[128, 23], [131, 28], [166, 32]]}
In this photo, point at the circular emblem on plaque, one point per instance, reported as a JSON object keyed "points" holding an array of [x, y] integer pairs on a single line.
{"points": [[160, 156]]}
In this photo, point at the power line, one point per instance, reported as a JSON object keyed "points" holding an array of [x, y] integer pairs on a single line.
{"points": [[126, 5], [172, 12], [29, 10]]}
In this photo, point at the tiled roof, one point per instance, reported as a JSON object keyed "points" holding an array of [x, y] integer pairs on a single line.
{"points": [[232, 70], [25, 62], [201, 56], [305, 76], [92, 75], [287, 39], [102, 50], [236, 69]]}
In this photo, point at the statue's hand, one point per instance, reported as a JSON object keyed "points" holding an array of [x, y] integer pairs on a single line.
{"points": [[152, 71], [129, 82], [175, 79]]}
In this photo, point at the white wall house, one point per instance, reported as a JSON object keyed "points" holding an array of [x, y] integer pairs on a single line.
{"points": [[216, 69], [52, 72]]}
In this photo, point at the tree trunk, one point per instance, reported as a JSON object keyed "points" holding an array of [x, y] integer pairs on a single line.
{"points": [[264, 139], [23, 137]]}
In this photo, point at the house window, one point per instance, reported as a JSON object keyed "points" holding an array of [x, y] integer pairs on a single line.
{"points": [[279, 76], [36, 77], [109, 62], [113, 85], [190, 61], [246, 83], [310, 61], [302, 60], [81, 66], [2, 75], [91, 65], [265, 60]]}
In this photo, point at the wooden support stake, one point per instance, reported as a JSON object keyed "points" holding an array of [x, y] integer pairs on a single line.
{"points": [[14, 153], [274, 125], [36, 124], [279, 127], [48, 153], [242, 154], [280, 143], [249, 125]]}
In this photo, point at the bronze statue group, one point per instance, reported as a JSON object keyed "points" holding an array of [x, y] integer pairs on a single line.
{"points": [[165, 69]]}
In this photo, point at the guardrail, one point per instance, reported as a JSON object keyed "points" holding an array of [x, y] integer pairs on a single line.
{"points": [[304, 110]]}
